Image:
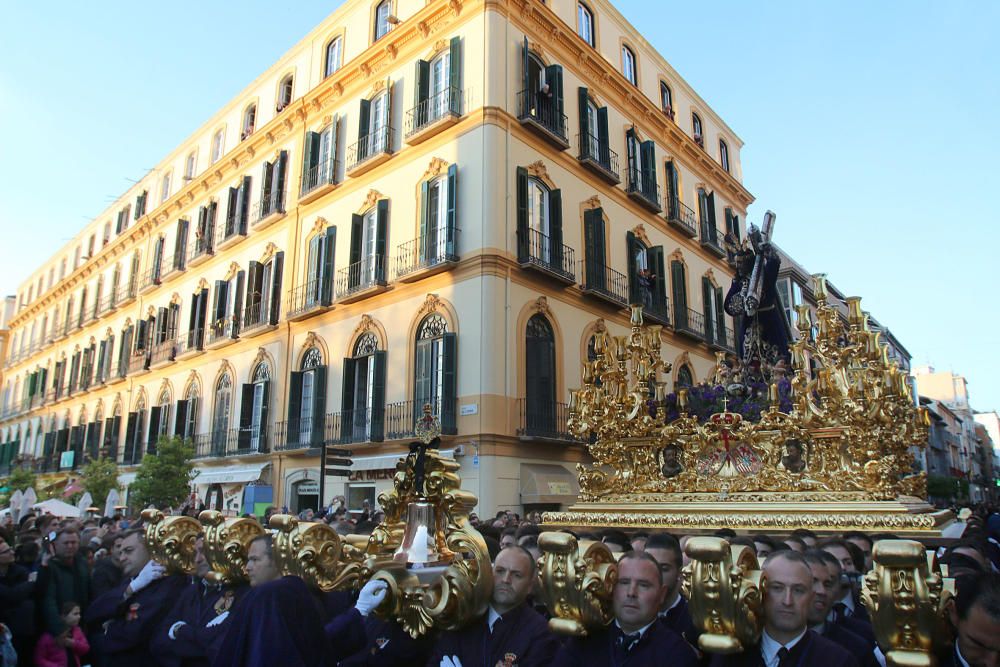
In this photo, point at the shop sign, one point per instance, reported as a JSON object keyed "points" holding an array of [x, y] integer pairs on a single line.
{"points": [[372, 475]]}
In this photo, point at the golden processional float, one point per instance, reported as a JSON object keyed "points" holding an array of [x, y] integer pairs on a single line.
{"points": [[826, 446]]}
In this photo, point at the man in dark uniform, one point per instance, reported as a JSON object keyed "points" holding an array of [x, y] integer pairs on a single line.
{"points": [[787, 640], [976, 619], [636, 638], [674, 612], [511, 631], [854, 623], [131, 612], [825, 585], [192, 631]]}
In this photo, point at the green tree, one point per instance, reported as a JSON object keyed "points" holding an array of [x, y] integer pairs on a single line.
{"points": [[20, 479], [99, 477], [164, 478]]}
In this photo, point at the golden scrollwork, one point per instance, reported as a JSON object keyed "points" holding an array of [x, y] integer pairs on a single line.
{"points": [[577, 583], [226, 543], [171, 540], [314, 552], [907, 598], [725, 594]]}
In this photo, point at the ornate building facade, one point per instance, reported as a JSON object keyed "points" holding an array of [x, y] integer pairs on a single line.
{"points": [[419, 203]]}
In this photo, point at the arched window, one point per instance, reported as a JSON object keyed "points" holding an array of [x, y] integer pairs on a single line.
{"points": [[364, 396], [220, 419], [684, 376], [382, 19], [249, 121], [629, 66], [667, 100], [313, 385], [696, 130], [333, 55], [585, 23], [105, 238], [434, 369], [253, 413], [162, 422], [218, 145], [190, 164], [284, 93], [539, 220], [540, 377], [165, 188], [135, 433], [724, 155], [187, 412]]}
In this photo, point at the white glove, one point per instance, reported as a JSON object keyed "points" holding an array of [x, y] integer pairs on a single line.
{"points": [[452, 661], [217, 620], [371, 596], [174, 628], [150, 572]]}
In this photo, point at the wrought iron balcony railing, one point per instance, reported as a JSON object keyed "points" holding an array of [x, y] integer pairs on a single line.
{"points": [[370, 146], [604, 282], [361, 276], [538, 250], [689, 321], [317, 176], [543, 419], [682, 217], [447, 102], [644, 189], [542, 111], [427, 251], [598, 154]]}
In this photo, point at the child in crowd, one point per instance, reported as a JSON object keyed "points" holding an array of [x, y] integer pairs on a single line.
{"points": [[66, 649]]}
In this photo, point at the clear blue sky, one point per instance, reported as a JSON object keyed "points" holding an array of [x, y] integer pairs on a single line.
{"points": [[870, 128]]}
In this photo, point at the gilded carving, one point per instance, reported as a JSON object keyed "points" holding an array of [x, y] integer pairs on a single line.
{"points": [[435, 168], [430, 305], [371, 199], [269, 251]]}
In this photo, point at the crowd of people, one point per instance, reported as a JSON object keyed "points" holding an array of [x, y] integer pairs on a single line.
{"points": [[86, 592]]}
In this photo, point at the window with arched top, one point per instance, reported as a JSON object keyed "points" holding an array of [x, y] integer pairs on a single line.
{"points": [[667, 100], [187, 413], [724, 155], [135, 433], [190, 164], [333, 56], [585, 23], [221, 414], [364, 391], [307, 401], [249, 121], [254, 409], [434, 370], [285, 89], [160, 419], [696, 130], [540, 376], [629, 66], [218, 145], [382, 14]]}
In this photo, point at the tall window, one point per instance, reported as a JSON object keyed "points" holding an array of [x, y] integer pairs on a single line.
{"points": [[223, 407], [435, 239], [311, 362], [369, 246], [696, 129], [667, 100], [585, 23], [258, 416], [723, 154], [382, 19], [538, 218], [189, 166], [628, 66], [365, 351], [165, 188], [218, 141], [378, 122], [189, 424], [249, 121], [333, 53], [429, 368], [163, 422], [540, 375], [440, 80], [285, 92]]}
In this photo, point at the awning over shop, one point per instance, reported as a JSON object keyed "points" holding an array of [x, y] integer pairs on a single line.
{"points": [[547, 483], [386, 461], [125, 479], [229, 474]]}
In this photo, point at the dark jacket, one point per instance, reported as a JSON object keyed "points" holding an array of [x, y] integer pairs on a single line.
{"points": [[59, 582], [659, 645], [129, 623], [521, 632], [388, 645], [106, 575], [862, 650], [812, 650], [17, 604], [678, 619], [195, 644]]}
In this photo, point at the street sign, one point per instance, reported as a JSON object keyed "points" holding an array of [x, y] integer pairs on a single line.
{"points": [[337, 451], [337, 472], [339, 462]]}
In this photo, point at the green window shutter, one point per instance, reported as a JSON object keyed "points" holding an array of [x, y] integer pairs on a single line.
{"points": [[180, 417], [593, 243], [673, 193], [679, 285], [426, 249], [309, 157], [554, 77], [421, 92], [292, 426], [523, 243], [455, 75], [238, 301], [449, 384], [276, 269], [603, 139], [647, 156], [555, 229], [713, 232], [632, 149], [720, 317], [364, 122], [634, 247], [347, 400], [254, 297], [266, 183], [381, 235], [357, 237], [378, 397], [319, 405], [244, 207], [707, 298], [246, 417], [329, 253], [451, 213], [583, 97], [278, 183], [657, 265], [180, 247], [525, 76]]}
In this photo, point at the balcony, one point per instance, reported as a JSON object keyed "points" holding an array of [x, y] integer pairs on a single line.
{"points": [[138, 363], [598, 157], [200, 249], [309, 433], [357, 426], [107, 305], [222, 332], [266, 212], [370, 151], [162, 354], [681, 217], [361, 279], [175, 264], [541, 113], [317, 181], [689, 322], [189, 344], [257, 319], [542, 420], [603, 282], [233, 442], [537, 251], [433, 115], [231, 233], [150, 280], [656, 311], [401, 417], [710, 239], [126, 294], [726, 343], [306, 300], [427, 254], [644, 190]]}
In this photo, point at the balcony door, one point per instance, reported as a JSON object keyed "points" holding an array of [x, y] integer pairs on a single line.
{"points": [[378, 123], [440, 71], [364, 387], [540, 376], [369, 247], [538, 219], [223, 407]]}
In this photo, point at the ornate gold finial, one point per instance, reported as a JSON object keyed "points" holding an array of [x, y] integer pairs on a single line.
{"points": [[427, 427], [171, 540]]}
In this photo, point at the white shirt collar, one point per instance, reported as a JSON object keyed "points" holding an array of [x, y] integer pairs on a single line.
{"points": [[961, 658], [769, 647], [492, 618], [642, 630], [677, 601], [848, 601]]}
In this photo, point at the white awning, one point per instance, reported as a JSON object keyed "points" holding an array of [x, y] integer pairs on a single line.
{"points": [[386, 461], [229, 474], [543, 483], [125, 479]]}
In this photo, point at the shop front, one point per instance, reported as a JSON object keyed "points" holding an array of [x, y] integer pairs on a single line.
{"points": [[224, 488]]}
